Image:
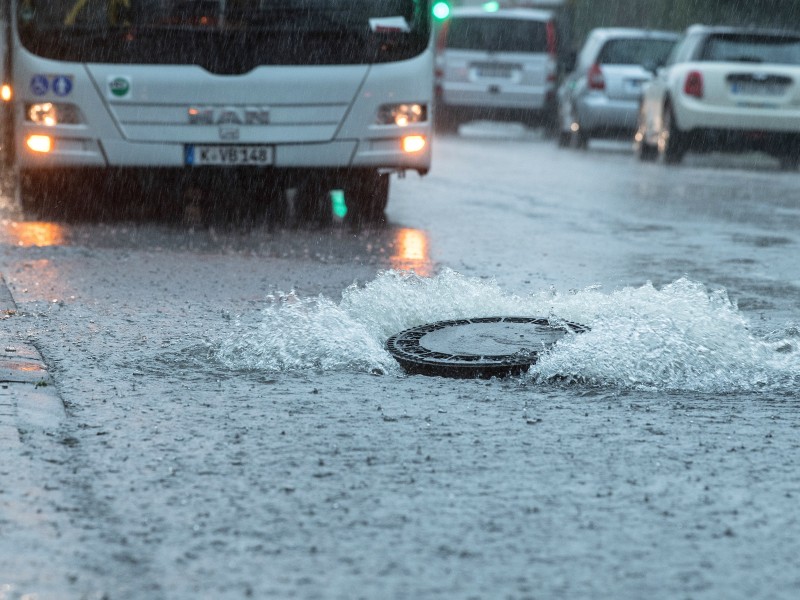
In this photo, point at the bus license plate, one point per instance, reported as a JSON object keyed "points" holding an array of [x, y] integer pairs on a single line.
{"points": [[228, 155]]}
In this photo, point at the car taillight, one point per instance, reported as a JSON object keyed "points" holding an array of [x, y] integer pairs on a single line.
{"points": [[595, 78], [552, 40], [694, 84]]}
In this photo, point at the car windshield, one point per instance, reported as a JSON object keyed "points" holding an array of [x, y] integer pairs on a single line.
{"points": [[497, 34], [224, 35], [752, 48], [635, 51]]}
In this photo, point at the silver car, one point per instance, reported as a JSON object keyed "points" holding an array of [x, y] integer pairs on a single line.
{"points": [[600, 98], [498, 64]]}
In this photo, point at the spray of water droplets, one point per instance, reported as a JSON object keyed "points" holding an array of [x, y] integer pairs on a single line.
{"points": [[679, 337]]}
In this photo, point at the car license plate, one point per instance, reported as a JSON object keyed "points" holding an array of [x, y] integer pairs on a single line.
{"points": [[754, 88], [228, 155], [495, 72]]}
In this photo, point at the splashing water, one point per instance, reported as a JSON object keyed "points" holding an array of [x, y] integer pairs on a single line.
{"points": [[680, 337]]}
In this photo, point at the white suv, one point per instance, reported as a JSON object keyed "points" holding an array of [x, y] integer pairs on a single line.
{"points": [[498, 64], [727, 89]]}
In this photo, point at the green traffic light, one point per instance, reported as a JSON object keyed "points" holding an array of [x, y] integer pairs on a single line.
{"points": [[441, 10]]}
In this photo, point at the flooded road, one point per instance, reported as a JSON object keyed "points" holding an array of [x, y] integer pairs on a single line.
{"points": [[235, 428]]}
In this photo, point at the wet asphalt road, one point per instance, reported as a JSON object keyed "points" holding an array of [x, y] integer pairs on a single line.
{"points": [[220, 443]]}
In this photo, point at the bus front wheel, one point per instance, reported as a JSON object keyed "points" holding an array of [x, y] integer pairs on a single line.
{"points": [[70, 194], [37, 193], [366, 196]]}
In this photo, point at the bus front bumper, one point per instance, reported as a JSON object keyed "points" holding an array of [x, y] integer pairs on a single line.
{"points": [[380, 153]]}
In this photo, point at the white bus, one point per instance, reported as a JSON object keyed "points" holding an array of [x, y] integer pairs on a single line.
{"points": [[315, 95]]}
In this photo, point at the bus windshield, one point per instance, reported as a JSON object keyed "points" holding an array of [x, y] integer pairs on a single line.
{"points": [[224, 36]]}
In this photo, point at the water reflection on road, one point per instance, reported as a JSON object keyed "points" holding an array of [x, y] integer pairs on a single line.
{"points": [[411, 252], [34, 233]]}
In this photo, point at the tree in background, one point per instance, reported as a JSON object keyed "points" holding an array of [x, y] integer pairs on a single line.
{"points": [[676, 15]]}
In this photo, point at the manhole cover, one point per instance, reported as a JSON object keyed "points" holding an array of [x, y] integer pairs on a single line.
{"points": [[483, 347]]}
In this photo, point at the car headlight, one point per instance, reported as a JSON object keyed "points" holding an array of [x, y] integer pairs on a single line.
{"points": [[402, 115], [53, 113]]}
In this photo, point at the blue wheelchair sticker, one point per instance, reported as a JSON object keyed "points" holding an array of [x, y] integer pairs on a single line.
{"points": [[62, 85], [39, 85]]}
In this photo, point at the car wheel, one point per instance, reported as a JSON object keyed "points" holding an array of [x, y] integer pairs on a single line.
{"points": [[581, 139], [672, 142], [562, 121], [646, 152], [366, 197]]}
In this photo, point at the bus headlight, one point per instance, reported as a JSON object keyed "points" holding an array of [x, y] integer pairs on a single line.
{"points": [[6, 93], [39, 143], [402, 115], [413, 143], [53, 113]]}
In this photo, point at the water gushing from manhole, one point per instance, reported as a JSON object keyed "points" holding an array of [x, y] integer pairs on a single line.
{"points": [[681, 336]]}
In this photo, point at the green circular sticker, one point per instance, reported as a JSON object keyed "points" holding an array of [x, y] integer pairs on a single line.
{"points": [[119, 86]]}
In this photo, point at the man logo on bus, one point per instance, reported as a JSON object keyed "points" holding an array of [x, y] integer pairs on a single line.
{"points": [[119, 86], [229, 115]]}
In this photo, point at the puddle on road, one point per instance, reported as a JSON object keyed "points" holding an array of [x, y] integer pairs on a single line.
{"points": [[679, 337]]}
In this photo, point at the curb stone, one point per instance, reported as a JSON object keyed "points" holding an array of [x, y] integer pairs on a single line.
{"points": [[28, 397], [29, 404]]}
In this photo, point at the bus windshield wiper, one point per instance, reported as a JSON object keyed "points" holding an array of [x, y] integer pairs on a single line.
{"points": [[82, 31]]}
